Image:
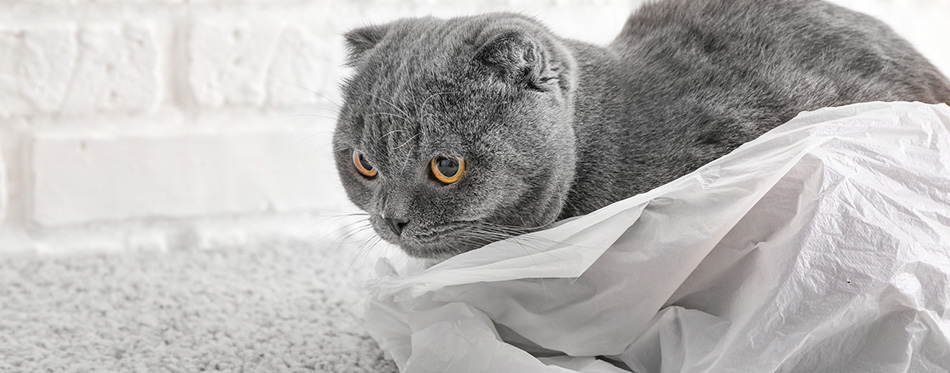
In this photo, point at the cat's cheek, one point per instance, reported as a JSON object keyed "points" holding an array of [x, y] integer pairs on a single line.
{"points": [[358, 192]]}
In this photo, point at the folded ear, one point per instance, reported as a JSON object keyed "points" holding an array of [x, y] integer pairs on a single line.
{"points": [[519, 58], [361, 40]]}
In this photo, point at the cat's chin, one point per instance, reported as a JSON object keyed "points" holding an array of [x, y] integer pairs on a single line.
{"points": [[427, 252], [436, 252]]}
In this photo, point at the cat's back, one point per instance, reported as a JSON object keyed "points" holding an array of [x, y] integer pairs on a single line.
{"points": [[694, 79], [808, 52]]}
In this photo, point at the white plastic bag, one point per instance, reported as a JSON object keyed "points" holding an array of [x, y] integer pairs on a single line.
{"points": [[824, 245]]}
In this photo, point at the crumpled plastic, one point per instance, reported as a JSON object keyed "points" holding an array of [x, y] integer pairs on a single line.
{"points": [[822, 246]]}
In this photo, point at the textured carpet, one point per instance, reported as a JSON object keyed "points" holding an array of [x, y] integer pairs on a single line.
{"points": [[274, 310]]}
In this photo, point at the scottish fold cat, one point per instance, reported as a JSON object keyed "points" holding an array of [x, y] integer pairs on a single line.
{"points": [[455, 133]]}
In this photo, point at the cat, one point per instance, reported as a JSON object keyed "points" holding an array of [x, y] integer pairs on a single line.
{"points": [[455, 133]]}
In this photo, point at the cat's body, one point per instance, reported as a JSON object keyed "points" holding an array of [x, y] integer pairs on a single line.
{"points": [[550, 128], [699, 78]]}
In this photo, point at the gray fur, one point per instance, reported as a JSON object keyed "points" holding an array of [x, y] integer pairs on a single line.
{"points": [[552, 128]]}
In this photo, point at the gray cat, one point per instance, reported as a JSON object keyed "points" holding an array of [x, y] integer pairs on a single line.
{"points": [[459, 132]]}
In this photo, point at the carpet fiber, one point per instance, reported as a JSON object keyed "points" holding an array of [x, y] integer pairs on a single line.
{"points": [[274, 310]]}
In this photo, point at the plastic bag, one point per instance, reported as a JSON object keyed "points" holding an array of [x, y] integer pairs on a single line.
{"points": [[824, 245]]}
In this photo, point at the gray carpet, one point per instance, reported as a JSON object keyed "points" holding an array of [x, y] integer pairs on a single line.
{"points": [[273, 310]]}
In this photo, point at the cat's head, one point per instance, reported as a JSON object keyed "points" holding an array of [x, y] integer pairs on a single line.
{"points": [[456, 133]]}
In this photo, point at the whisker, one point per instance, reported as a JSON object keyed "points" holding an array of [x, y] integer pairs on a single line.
{"points": [[306, 89], [363, 250], [405, 115], [424, 102], [351, 231], [411, 138], [389, 114], [307, 115], [332, 219]]}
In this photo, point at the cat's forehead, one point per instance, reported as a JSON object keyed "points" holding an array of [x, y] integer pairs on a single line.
{"points": [[419, 57], [429, 43], [408, 121], [404, 135], [416, 94]]}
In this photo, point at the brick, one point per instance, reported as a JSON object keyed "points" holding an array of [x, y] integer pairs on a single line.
{"points": [[117, 70], [302, 72], [227, 61], [81, 178], [100, 68], [3, 187], [35, 66]]}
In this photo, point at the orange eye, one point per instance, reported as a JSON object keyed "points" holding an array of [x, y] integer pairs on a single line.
{"points": [[447, 170], [362, 165]]}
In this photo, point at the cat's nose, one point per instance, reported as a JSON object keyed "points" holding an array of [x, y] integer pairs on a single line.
{"points": [[396, 225]]}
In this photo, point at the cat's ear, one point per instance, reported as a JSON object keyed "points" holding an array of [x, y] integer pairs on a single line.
{"points": [[518, 58], [361, 40]]}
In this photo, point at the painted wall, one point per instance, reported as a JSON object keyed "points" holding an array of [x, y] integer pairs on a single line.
{"points": [[160, 124]]}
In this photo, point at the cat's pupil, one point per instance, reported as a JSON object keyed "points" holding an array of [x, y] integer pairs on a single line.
{"points": [[447, 167], [365, 164]]}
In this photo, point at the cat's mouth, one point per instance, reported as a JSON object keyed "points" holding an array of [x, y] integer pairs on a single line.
{"points": [[440, 246], [441, 242]]}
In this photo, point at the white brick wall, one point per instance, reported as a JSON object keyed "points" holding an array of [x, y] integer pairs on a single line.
{"points": [[153, 124], [90, 177], [36, 66]]}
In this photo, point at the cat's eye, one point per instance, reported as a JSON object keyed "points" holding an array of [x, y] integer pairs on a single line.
{"points": [[362, 165], [447, 169]]}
